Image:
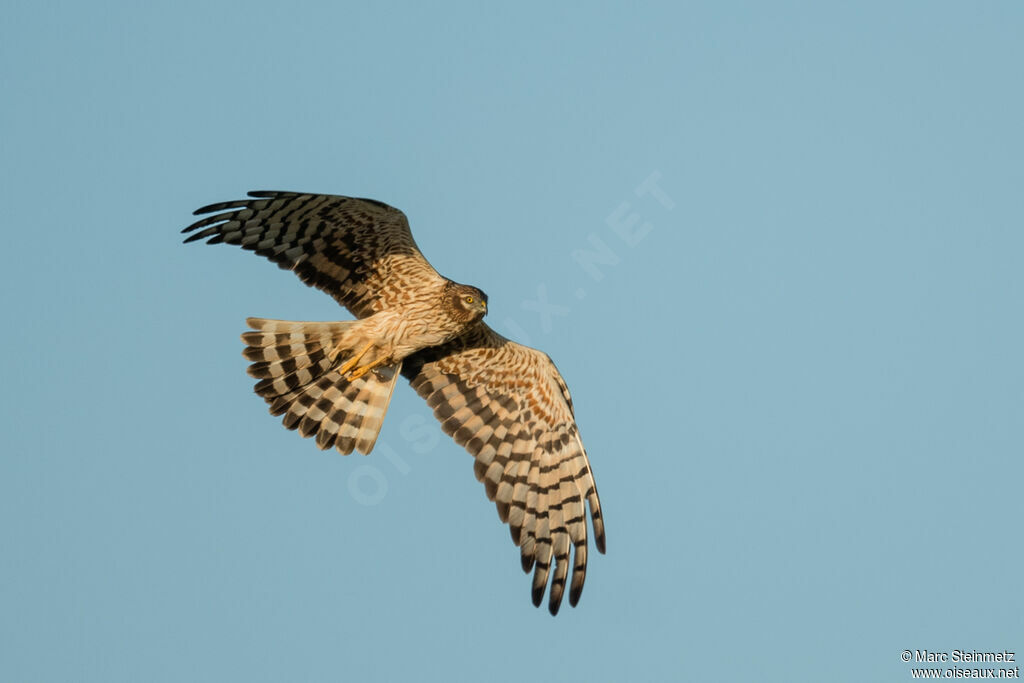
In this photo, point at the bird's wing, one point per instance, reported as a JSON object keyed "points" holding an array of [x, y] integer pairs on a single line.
{"points": [[508, 405], [359, 251]]}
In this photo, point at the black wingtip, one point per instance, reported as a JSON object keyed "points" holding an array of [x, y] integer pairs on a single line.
{"points": [[209, 208], [538, 595], [553, 607], [213, 238]]}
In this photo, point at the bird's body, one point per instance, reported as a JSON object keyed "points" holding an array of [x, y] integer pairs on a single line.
{"points": [[437, 318], [506, 403]]}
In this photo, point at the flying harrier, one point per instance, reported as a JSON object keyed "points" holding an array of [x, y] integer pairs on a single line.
{"points": [[505, 402]]}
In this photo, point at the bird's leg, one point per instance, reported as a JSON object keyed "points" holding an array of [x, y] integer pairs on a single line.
{"points": [[354, 360], [359, 372]]}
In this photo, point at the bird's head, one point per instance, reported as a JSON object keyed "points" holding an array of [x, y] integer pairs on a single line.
{"points": [[468, 303]]}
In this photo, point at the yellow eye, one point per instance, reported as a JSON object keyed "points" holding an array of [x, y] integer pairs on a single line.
{"points": [[468, 299]]}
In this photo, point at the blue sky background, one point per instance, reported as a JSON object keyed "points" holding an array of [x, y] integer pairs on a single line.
{"points": [[800, 381]]}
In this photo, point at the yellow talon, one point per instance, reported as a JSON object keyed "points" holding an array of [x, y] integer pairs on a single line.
{"points": [[351, 362], [366, 368]]}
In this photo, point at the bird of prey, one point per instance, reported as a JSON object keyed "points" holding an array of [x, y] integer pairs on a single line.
{"points": [[504, 402]]}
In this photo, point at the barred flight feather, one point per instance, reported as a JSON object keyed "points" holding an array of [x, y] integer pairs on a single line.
{"points": [[504, 402], [509, 407], [352, 249], [301, 381]]}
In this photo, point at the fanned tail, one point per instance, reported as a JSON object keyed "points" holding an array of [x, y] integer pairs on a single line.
{"points": [[300, 379]]}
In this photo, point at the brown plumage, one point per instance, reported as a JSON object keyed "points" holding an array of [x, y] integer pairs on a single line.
{"points": [[504, 402]]}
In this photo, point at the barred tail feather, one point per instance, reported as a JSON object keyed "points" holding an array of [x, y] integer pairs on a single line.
{"points": [[300, 380]]}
